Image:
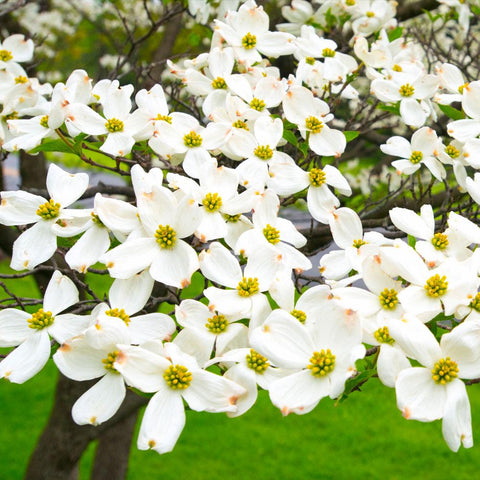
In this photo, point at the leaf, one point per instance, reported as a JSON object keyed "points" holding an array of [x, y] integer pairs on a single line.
{"points": [[395, 33], [52, 146], [395, 109], [354, 383], [303, 147], [351, 134], [412, 241], [451, 112], [290, 137]]}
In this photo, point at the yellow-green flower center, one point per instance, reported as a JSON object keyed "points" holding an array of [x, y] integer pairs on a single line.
{"points": [[462, 87], [382, 335], [321, 363], [436, 286], [212, 202], [313, 124], [257, 362], [108, 362], [177, 377], [48, 210], [317, 177], [310, 60], [114, 125], [257, 104], [119, 313], [350, 3], [388, 299], [440, 241], [249, 41], [370, 14], [300, 315], [44, 121], [40, 319], [165, 118], [416, 156], [219, 84], [406, 90], [328, 52], [192, 139], [264, 152], [444, 371], [165, 236], [248, 287], [21, 79], [475, 303], [5, 55], [358, 243], [217, 324], [10, 116], [232, 218], [452, 152], [397, 68], [240, 124], [96, 219], [271, 234]]}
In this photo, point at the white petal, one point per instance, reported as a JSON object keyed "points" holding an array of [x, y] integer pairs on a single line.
{"points": [[14, 327], [19, 208], [65, 187], [131, 294], [390, 363], [220, 266], [60, 294]]}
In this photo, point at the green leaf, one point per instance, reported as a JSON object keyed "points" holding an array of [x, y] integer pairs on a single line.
{"points": [[52, 146], [303, 147], [451, 112], [355, 383], [395, 33], [290, 137], [350, 135], [395, 109], [412, 241]]}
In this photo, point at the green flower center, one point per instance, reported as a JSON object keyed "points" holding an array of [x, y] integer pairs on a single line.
{"points": [[248, 287], [321, 363], [350, 3], [217, 324], [219, 84], [48, 210], [10, 116], [177, 377], [271, 234], [436, 286], [475, 303], [21, 79], [166, 236], [328, 52], [5, 55], [397, 68], [452, 152], [44, 121], [317, 177], [440, 241], [416, 156], [382, 335], [444, 371], [388, 299], [114, 125], [249, 41], [313, 124], [406, 90], [310, 60], [119, 313], [108, 362], [192, 140], [96, 219], [40, 320], [358, 243], [257, 104], [300, 315], [212, 202], [257, 362], [240, 124], [232, 218], [165, 118], [264, 152], [462, 87], [370, 14]]}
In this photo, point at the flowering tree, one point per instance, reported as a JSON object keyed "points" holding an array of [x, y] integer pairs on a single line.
{"points": [[363, 115]]}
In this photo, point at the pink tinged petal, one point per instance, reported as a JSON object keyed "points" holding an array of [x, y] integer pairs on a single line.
{"points": [[293, 258], [175, 267], [220, 266], [346, 227], [436, 168], [221, 62], [131, 257], [335, 265], [471, 151], [385, 90], [409, 222], [414, 300], [412, 112], [191, 313], [211, 227], [246, 378], [426, 87], [274, 44], [473, 187], [418, 396], [464, 130], [284, 340], [101, 402], [229, 302], [397, 147], [162, 422], [188, 217], [457, 421], [236, 336], [391, 361], [19, 208], [131, 294], [328, 142], [253, 173], [151, 326], [196, 161], [156, 206], [289, 233], [212, 393], [268, 131], [364, 302], [34, 246], [65, 187], [299, 393], [118, 144], [334, 178], [14, 327], [60, 294], [426, 141], [117, 103], [153, 99], [107, 332], [86, 120], [196, 342], [298, 105], [471, 99], [286, 178], [263, 264], [22, 49], [27, 359], [67, 326], [321, 203]]}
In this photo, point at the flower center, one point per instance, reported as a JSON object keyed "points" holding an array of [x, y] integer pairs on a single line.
{"points": [[350, 3], [416, 156], [249, 41], [370, 14], [165, 118], [317, 177], [49, 210], [300, 315], [212, 202], [475, 303], [192, 140], [219, 84], [248, 287], [165, 236], [397, 68], [321, 363], [382, 335], [119, 313], [358, 243], [440, 241], [406, 90], [44, 121], [109, 360], [310, 60], [388, 299], [114, 125], [40, 320], [21, 79], [240, 124], [217, 324], [10, 116], [177, 377], [271, 234], [328, 52], [96, 219], [232, 218], [5, 55], [257, 362], [444, 371], [462, 87], [264, 152], [452, 152], [436, 286], [257, 104], [313, 124]]}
